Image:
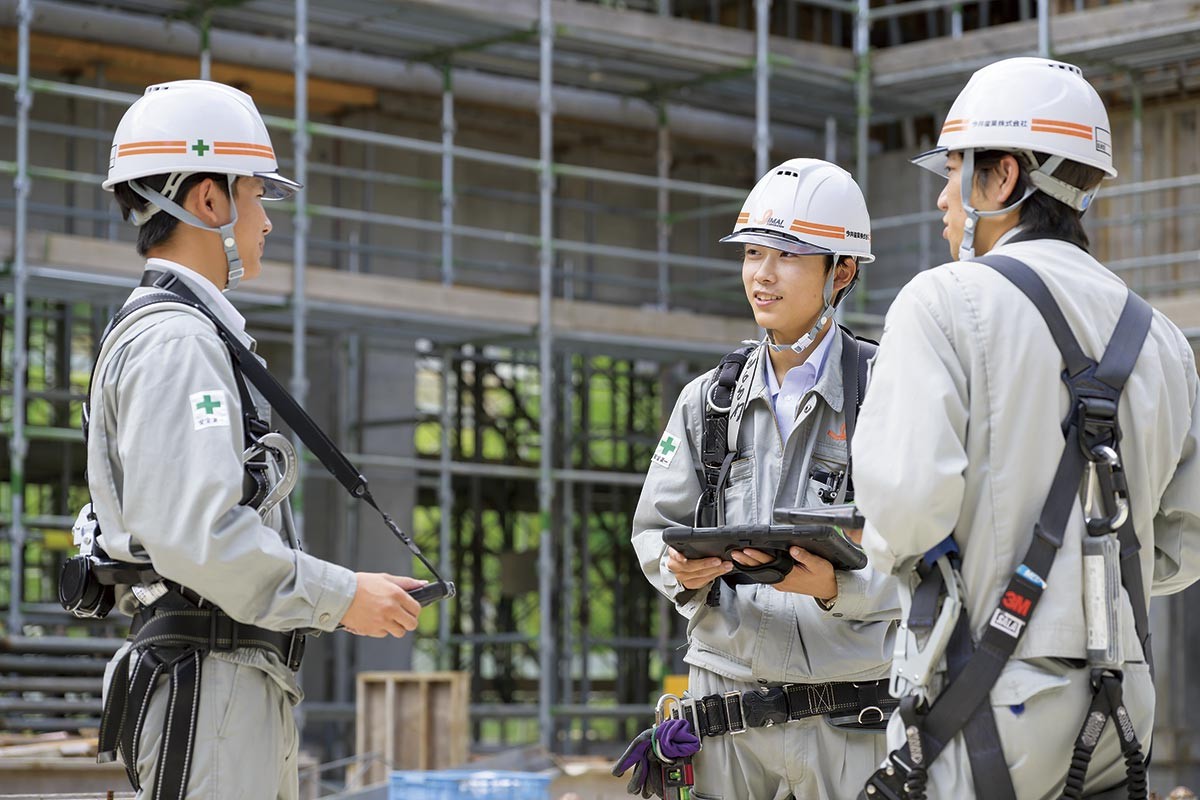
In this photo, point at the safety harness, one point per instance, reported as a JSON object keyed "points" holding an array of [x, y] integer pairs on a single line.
{"points": [[171, 635], [1092, 452], [725, 402]]}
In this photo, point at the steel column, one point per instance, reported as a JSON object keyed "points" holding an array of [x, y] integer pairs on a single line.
{"points": [[762, 81], [300, 144], [1043, 12], [862, 50], [16, 532], [448, 128], [547, 662]]}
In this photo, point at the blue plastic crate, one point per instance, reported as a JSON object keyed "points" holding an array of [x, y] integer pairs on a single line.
{"points": [[466, 785]]}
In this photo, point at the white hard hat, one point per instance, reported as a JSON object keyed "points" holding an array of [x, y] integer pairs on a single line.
{"points": [[182, 128], [1027, 105], [807, 207], [195, 126]]}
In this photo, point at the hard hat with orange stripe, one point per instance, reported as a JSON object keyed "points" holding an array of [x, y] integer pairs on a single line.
{"points": [[806, 206], [1026, 106], [181, 128]]}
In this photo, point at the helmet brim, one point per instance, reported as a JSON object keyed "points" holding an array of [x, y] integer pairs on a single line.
{"points": [[777, 241], [935, 160], [277, 187]]}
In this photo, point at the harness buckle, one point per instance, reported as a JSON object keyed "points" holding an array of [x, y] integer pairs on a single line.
{"points": [[914, 663], [735, 712], [214, 632], [295, 651]]}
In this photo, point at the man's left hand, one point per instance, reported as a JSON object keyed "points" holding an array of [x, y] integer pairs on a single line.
{"points": [[812, 574]]}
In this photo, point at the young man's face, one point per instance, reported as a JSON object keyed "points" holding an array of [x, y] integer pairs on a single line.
{"points": [[785, 290], [950, 203], [252, 225]]}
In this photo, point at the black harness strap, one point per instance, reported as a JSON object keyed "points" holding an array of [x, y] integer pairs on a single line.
{"points": [[1091, 422]]}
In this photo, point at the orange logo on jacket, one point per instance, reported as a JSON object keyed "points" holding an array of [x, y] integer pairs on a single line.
{"points": [[839, 435]]}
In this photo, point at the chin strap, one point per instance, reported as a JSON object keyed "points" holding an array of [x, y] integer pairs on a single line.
{"points": [[1041, 179], [160, 201], [829, 306]]}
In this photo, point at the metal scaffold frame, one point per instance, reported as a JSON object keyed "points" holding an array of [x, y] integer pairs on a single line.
{"points": [[561, 699]]}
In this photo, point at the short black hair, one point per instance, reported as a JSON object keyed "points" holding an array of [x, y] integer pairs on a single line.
{"points": [[158, 229], [1041, 215]]}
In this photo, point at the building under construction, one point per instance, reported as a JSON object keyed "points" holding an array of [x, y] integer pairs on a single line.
{"points": [[503, 268]]}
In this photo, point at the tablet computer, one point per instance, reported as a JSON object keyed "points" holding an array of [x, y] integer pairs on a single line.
{"points": [[826, 541], [845, 515]]}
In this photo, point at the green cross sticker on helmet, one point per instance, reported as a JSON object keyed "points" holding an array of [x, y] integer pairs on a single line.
{"points": [[668, 446], [200, 147], [209, 409]]}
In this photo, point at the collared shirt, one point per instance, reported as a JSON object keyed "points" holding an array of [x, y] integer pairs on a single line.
{"points": [[797, 382], [208, 292]]}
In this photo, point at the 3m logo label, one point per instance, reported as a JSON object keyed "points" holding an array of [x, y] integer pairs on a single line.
{"points": [[1007, 623], [1021, 606]]}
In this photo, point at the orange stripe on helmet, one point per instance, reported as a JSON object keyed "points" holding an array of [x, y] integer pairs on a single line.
{"points": [[140, 145], [262, 148], [1062, 131], [802, 226], [145, 151], [237, 151], [1058, 123]]}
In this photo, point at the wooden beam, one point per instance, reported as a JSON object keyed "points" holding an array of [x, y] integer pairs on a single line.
{"points": [[137, 66]]}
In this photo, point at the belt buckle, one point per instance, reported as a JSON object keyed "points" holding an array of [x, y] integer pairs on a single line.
{"points": [[733, 706], [214, 620], [295, 651], [688, 712]]}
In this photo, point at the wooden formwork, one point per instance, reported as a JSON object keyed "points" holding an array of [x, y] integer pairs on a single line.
{"points": [[411, 720]]}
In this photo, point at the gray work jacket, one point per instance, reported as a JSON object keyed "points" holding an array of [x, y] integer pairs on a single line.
{"points": [[165, 474], [758, 633], [961, 433]]}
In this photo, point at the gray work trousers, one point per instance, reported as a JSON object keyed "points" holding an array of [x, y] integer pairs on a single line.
{"points": [[808, 759], [1040, 706], [246, 739]]}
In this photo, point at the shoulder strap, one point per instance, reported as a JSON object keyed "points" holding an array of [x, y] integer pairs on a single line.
{"points": [[716, 451], [856, 357]]}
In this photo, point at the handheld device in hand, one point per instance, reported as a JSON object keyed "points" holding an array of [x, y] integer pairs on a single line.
{"points": [[845, 515], [826, 541], [430, 593]]}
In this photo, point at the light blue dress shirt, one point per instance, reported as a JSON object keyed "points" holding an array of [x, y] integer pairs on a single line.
{"points": [[797, 382]]}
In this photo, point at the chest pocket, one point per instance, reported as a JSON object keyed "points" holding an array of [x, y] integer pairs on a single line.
{"points": [[827, 470], [741, 493]]}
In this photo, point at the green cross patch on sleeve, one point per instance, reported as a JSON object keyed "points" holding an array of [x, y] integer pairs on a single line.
{"points": [[668, 446], [209, 409]]}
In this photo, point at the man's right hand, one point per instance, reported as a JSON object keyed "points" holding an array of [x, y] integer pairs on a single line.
{"points": [[693, 573], [382, 605]]}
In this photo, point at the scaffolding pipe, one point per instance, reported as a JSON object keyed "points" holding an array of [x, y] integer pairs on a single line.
{"points": [[448, 127], [762, 87], [862, 51], [831, 128], [300, 143], [663, 163], [205, 45], [446, 492], [18, 446], [1044, 28], [956, 21], [1139, 207], [546, 370]]}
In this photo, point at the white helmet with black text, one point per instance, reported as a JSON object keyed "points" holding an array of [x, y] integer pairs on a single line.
{"points": [[806, 206], [1025, 106], [181, 128]]}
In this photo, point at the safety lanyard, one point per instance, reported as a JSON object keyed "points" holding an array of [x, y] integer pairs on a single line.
{"points": [[321, 446]]}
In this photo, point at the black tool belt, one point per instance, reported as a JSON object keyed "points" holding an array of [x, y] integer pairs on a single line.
{"points": [[857, 705], [170, 639]]}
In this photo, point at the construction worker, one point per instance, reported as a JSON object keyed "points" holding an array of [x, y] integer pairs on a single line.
{"points": [[208, 716], [811, 652], [993, 446]]}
